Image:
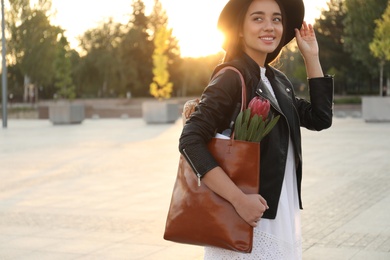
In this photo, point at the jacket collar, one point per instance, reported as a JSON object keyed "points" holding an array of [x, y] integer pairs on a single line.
{"points": [[262, 90], [251, 72]]}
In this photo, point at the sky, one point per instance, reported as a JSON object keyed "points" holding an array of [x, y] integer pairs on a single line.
{"points": [[193, 22]]}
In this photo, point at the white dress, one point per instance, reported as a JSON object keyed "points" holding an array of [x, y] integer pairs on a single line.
{"points": [[279, 238]]}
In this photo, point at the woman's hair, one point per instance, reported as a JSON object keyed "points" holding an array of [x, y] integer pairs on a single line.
{"points": [[233, 41]]}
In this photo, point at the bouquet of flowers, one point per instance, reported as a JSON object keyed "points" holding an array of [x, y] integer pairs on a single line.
{"points": [[254, 123]]}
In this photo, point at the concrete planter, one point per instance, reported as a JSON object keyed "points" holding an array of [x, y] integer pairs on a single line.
{"points": [[376, 109], [160, 112], [64, 112]]}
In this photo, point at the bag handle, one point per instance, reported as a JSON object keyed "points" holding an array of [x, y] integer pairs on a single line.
{"points": [[229, 131], [243, 86], [189, 106]]}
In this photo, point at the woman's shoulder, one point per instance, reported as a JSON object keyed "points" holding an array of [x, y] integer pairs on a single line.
{"points": [[276, 75], [236, 67], [231, 65], [273, 72]]}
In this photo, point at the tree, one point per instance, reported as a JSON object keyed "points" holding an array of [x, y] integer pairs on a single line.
{"points": [[380, 46], [157, 19], [359, 31], [196, 73], [291, 62], [330, 35], [161, 87], [101, 72], [136, 50], [63, 71], [33, 41]]}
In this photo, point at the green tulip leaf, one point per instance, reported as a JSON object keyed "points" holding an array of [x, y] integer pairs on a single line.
{"points": [[271, 125], [238, 126], [252, 130]]}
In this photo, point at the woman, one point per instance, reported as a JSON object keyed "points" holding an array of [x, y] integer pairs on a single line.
{"points": [[255, 32]]}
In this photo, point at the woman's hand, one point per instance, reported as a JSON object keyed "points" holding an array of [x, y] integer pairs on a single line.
{"points": [[307, 41], [251, 208], [308, 46]]}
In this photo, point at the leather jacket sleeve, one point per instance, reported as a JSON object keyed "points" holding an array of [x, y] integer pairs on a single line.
{"points": [[211, 115], [317, 115]]}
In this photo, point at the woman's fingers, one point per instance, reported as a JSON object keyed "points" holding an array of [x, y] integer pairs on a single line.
{"points": [[264, 202], [251, 208]]}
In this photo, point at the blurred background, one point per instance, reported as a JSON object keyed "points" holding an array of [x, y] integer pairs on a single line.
{"points": [[93, 50]]}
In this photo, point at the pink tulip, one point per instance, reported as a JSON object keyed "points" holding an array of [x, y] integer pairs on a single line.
{"points": [[259, 106]]}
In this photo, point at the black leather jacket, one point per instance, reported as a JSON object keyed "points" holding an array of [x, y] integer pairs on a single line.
{"points": [[217, 105]]}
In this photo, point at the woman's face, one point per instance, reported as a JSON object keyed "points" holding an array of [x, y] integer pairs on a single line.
{"points": [[262, 29]]}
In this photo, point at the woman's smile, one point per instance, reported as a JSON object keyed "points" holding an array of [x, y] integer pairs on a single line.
{"points": [[267, 39]]}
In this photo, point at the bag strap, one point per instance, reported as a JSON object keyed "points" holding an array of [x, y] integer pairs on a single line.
{"points": [[243, 86], [230, 130], [189, 106]]}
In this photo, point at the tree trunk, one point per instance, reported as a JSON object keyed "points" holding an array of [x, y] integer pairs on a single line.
{"points": [[381, 64]]}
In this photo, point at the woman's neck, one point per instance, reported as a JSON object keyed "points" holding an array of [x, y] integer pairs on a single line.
{"points": [[259, 58]]}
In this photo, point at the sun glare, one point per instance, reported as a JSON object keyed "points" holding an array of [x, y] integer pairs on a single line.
{"points": [[202, 44], [194, 23]]}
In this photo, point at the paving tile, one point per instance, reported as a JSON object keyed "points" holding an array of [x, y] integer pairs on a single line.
{"points": [[29, 243], [101, 190], [326, 253], [78, 246], [44, 255], [372, 255], [12, 253], [130, 251]]}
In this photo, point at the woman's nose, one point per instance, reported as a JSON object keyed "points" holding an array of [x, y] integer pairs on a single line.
{"points": [[268, 25]]}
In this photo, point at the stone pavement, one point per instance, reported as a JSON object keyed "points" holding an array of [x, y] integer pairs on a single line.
{"points": [[101, 190]]}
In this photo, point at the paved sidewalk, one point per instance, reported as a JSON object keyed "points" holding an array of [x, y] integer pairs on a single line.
{"points": [[101, 190]]}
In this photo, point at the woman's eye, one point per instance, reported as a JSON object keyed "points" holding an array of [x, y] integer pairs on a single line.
{"points": [[278, 19]]}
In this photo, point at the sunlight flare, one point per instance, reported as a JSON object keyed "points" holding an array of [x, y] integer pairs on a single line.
{"points": [[194, 23]]}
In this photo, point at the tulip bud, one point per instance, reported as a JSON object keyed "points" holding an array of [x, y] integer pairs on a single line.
{"points": [[249, 127], [259, 106]]}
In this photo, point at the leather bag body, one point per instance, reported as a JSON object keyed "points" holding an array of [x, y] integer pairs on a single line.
{"points": [[197, 215]]}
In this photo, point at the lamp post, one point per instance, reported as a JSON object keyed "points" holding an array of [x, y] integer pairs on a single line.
{"points": [[3, 69]]}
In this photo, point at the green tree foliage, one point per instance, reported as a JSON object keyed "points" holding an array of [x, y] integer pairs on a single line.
{"points": [[175, 62], [196, 73], [136, 50], [335, 59], [359, 29], [63, 71], [344, 32], [118, 57], [33, 44], [100, 70], [291, 62], [114, 58], [380, 46]]}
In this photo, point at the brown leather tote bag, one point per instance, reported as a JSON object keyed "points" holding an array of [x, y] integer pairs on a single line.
{"points": [[197, 215]]}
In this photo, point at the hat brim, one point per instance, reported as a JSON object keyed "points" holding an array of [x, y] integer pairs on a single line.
{"points": [[295, 13]]}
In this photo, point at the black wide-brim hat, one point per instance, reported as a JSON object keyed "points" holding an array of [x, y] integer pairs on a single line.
{"points": [[294, 12]]}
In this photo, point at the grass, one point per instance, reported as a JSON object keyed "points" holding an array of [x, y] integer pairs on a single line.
{"points": [[348, 100]]}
